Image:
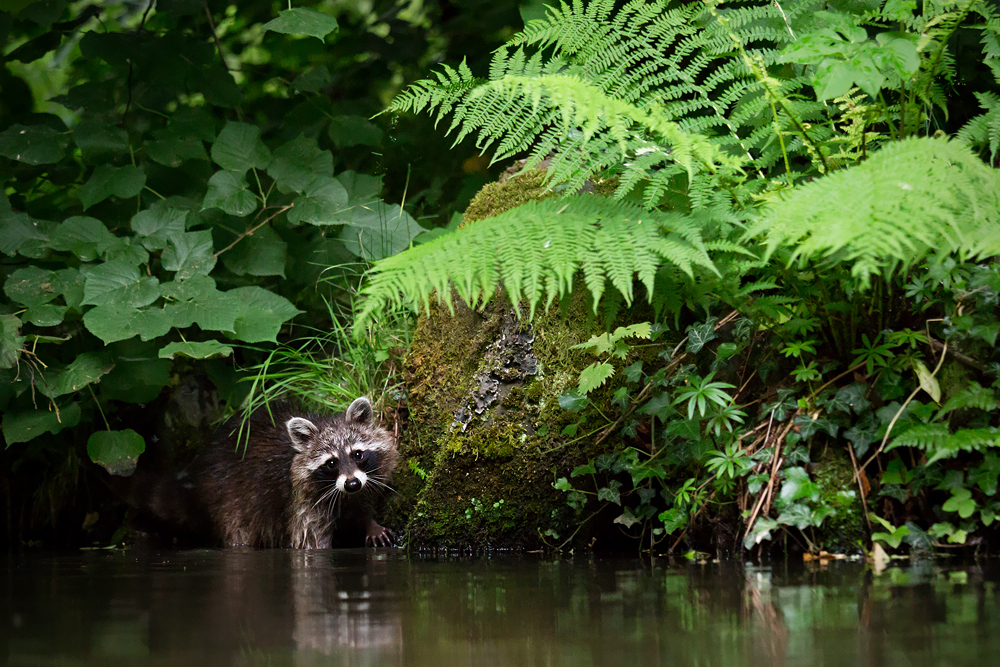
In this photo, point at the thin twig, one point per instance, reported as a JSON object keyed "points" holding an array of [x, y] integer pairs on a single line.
{"points": [[250, 231]]}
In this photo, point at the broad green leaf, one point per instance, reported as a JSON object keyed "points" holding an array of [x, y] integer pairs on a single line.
{"points": [[116, 451], [139, 374], [46, 315], [301, 21], [594, 375], [361, 188], [31, 286], [189, 254], [263, 253], [610, 495], [157, 224], [171, 149], [298, 163], [100, 141], [239, 148], [627, 518], [27, 425], [118, 283], [323, 203], [313, 80], [120, 321], [261, 314], [197, 301], [217, 85], [85, 237], [31, 144], [573, 402], [354, 131], [927, 381], [16, 229], [196, 350], [122, 182], [10, 341], [798, 485], [378, 231], [87, 368], [69, 283], [230, 192]]}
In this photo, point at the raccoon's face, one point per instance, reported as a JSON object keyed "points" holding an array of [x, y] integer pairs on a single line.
{"points": [[345, 455]]}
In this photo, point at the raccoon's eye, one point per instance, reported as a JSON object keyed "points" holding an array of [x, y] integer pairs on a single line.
{"points": [[331, 465], [358, 455]]}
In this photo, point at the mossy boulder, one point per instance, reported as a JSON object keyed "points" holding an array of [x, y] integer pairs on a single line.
{"points": [[484, 442]]}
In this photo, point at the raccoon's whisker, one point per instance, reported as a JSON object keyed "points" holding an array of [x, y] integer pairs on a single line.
{"points": [[379, 483]]}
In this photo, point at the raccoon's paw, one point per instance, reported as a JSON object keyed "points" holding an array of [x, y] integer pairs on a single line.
{"points": [[379, 536]]}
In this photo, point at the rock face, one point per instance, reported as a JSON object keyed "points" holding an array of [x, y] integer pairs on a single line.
{"points": [[484, 444]]}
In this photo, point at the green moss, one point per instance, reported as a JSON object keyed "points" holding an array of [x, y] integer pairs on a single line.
{"points": [[843, 530], [496, 198]]}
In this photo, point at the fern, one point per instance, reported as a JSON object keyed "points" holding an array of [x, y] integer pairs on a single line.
{"points": [[535, 251], [984, 129], [940, 443], [973, 396], [653, 90], [911, 199]]}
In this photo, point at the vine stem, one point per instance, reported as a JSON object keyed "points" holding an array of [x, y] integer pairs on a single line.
{"points": [[250, 231], [899, 413]]}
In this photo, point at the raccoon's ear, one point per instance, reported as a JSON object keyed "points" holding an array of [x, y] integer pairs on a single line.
{"points": [[301, 431], [360, 411]]}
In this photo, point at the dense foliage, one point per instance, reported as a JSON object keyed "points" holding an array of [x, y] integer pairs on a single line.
{"points": [[180, 183], [850, 300]]}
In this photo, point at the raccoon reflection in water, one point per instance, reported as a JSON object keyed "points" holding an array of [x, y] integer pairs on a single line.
{"points": [[305, 481]]}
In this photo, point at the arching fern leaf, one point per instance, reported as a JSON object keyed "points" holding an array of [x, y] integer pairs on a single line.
{"points": [[910, 199], [652, 89], [535, 251]]}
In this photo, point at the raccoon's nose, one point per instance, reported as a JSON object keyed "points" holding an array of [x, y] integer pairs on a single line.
{"points": [[352, 485]]}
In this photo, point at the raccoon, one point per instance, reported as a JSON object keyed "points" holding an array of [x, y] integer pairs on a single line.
{"points": [[304, 481]]}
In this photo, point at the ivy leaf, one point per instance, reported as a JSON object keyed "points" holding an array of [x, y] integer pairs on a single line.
{"points": [[208, 349], [116, 451], [118, 283], [31, 144], [120, 321], [594, 375], [189, 254], [298, 163], [611, 495], [230, 192], [261, 314], [627, 519], [24, 426], [699, 335], [961, 501], [239, 148], [122, 182], [301, 21]]}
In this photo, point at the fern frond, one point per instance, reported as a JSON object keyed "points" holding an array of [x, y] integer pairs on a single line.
{"points": [[535, 251], [940, 443], [648, 84], [909, 200], [973, 396]]}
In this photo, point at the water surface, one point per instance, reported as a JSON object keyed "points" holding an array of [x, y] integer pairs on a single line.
{"points": [[380, 607]]}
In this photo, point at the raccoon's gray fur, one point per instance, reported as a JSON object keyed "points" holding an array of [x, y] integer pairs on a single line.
{"points": [[303, 481]]}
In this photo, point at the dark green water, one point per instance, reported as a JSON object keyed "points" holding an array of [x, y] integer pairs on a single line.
{"points": [[382, 608]]}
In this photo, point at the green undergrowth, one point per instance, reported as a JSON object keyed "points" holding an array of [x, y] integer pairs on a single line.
{"points": [[807, 205]]}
